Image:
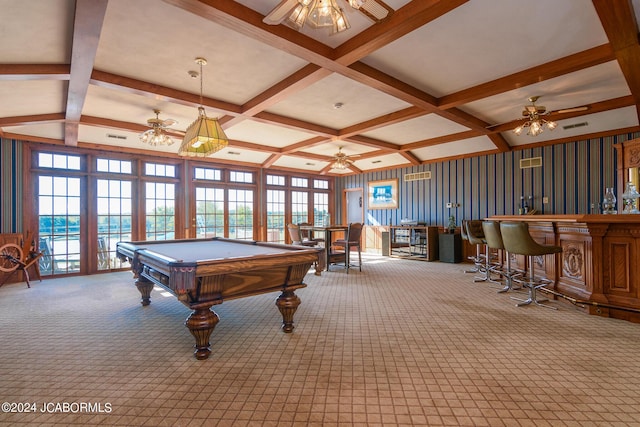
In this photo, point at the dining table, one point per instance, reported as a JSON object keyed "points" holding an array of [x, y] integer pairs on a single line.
{"points": [[329, 234]]}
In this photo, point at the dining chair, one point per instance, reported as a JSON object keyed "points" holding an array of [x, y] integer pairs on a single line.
{"points": [[308, 234], [351, 241], [297, 239]]}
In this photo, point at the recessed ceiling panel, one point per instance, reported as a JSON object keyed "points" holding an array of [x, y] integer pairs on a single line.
{"points": [[481, 41], [594, 84], [266, 134], [338, 102], [241, 155], [394, 160], [418, 129], [331, 148], [36, 32], [294, 162], [238, 68], [53, 131], [23, 98], [454, 149]]}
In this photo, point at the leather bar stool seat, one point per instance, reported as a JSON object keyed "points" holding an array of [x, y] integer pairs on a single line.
{"points": [[493, 237], [518, 240]]}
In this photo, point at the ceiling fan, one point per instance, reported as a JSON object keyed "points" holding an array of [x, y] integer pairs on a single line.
{"points": [[157, 134], [376, 10], [341, 160], [533, 109], [534, 120]]}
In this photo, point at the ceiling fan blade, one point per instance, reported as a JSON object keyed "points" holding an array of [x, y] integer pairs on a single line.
{"points": [[280, 12], [169, 122], [572, 110]]}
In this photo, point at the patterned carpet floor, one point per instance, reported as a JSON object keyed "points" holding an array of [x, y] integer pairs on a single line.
{"points": [[400, 343]]}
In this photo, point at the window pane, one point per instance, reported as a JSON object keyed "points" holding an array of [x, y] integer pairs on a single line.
{"points": [[299, 207], [114, 221], [275, 216], [59, 224], [160, 215], [45, 160], [45, 185], [209, 212], [240, 214]]}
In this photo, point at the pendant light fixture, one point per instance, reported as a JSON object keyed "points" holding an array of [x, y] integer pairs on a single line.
{"points": [[205, 135]]}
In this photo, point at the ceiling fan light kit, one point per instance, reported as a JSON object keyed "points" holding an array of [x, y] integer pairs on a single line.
{"points": [[342, 161], [205, 135], [321, 14], [156, 135], [534, 124]]}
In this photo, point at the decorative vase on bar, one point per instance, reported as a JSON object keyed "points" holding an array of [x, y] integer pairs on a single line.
{"points": [[609, 202]]}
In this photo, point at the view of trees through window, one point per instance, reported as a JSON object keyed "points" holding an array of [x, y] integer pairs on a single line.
{"points": [[127, 204]]}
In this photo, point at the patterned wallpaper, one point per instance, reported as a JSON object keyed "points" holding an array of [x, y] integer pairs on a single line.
{"points": [[572, 178], [11, 203]]}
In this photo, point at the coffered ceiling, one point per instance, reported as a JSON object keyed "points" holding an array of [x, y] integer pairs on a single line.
{"points": [[435, 80]]}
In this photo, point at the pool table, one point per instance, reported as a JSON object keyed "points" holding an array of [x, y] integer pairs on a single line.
{"points": [[205, 272]]}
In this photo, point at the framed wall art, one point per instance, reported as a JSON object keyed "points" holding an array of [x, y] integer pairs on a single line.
{"points": [[383, 194]]}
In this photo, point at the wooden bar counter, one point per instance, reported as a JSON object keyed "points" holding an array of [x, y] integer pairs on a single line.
{"points": [[599, 262]]}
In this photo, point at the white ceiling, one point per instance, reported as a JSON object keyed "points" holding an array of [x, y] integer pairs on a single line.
{"points": [[435, 80]]}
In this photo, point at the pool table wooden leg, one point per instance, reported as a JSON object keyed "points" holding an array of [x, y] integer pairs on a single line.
{"points": [[287, 303], [201, 324], [145, 286]]}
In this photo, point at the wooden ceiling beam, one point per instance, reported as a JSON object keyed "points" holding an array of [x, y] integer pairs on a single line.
{"points": [[32, 119], [34, 72], [371, 142], [501, 144], [411, 158], [619, 22], [112, 124], [307, 143], [151, 90], [254, 147], [440, 140], [87, 27], [270, 161]]}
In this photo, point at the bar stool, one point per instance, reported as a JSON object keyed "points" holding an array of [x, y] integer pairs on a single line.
{"points": [[493, 236], [351, 240], [475, 234], [518, 240], [464, 236]]}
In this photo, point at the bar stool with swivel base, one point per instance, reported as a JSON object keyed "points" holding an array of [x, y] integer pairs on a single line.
{"points": [[518, 240], [463, 235], [475, 234], [494, 241]]}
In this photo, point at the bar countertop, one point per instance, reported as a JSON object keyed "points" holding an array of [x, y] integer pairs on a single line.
{"points": [[574, 218]]}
